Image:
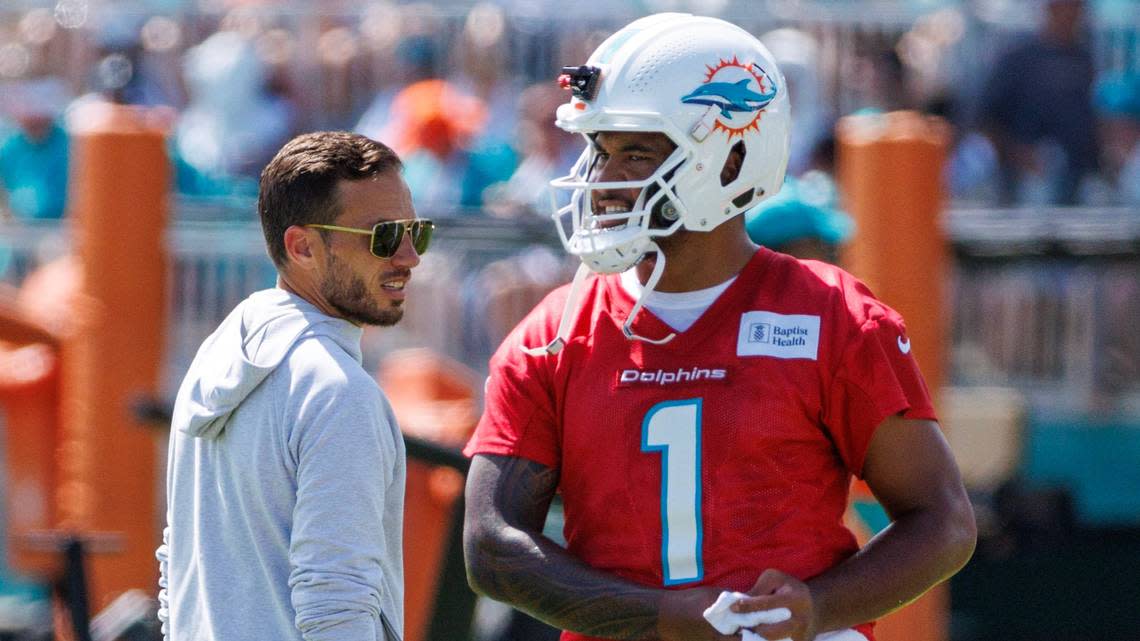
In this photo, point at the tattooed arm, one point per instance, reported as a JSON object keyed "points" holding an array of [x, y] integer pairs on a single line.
{"points": [[508, 559]]}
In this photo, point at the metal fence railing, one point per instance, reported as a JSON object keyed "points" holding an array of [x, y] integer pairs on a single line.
{"points": [[1046, 300], [1042, 300]]}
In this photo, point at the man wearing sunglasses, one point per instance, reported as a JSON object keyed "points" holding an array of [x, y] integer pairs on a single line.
{"points": [[286, 470]]}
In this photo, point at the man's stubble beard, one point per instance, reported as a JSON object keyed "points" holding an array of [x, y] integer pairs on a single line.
{"points": [[348, 294]]}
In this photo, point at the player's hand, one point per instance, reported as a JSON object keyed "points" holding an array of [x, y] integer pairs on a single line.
{"points": [[774, 589], [682, 617]]}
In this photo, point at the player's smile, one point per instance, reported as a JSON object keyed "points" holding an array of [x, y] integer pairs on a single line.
{"points": [[610, 212]]}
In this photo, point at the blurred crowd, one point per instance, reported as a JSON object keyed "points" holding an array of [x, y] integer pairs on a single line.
{"points": [[467, 97]]}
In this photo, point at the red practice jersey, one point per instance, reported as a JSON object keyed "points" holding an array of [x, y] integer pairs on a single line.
{"points": [[722, 453]]}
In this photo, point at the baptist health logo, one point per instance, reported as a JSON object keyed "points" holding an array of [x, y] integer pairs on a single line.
{"points": [[778, 335], [760, 333]]}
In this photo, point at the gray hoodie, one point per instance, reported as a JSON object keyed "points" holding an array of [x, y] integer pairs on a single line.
{"points": [[285, 486]]}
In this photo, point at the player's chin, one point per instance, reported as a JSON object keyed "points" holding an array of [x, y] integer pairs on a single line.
{"points": [[383, 313], [387, 319]]}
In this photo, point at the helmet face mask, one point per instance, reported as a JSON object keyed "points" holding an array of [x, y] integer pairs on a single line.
{"points": [[610, 242], [705, 84]]}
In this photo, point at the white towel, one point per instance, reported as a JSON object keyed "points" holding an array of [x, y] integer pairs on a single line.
{"points": [[728, 622]]}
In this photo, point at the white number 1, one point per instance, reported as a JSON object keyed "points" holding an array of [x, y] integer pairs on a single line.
{"points": [[674, 429]]}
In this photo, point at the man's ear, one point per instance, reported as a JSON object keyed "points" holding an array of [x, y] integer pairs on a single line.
{"points": [[733, 163], [304, 247]]}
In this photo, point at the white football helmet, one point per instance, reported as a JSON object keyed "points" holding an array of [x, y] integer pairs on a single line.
{"points": [[709, 86], [706, 84]]}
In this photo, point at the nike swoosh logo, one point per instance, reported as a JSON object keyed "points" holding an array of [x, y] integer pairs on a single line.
{"points": [[904, 346]]}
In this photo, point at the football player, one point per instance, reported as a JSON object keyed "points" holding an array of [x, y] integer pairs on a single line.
{"points": [[701, 403]]}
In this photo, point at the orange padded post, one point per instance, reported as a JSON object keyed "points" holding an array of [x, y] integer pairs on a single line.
{"points": [[118, 200], [434, 398], [890, 176]]}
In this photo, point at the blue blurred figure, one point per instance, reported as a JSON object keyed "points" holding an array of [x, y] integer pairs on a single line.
{"points": [[124, 72], [545, 152], [797, 53], [33, 153], [1037, 109], [1118, 100], [233, 124]]}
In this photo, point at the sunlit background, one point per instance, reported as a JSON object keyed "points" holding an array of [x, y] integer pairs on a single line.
{"points": [[1039, 208]]}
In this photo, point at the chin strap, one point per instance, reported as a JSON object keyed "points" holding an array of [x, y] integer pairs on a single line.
{"points": [[627, 326], [572, 300]]}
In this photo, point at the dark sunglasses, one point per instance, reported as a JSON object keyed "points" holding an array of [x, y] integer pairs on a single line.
{"points": [[387, 235]]}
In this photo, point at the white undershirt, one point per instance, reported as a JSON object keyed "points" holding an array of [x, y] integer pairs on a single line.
{"points": [[679, 310]]}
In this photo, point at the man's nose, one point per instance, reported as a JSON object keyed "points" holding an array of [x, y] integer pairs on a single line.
{"points": [[405, 255]]}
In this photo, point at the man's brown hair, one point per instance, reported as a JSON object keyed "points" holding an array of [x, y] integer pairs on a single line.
{"points": [[299, 186]]}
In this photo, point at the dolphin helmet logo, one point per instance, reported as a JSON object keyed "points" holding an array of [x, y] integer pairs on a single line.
{"points": [[730, 97], [740, 91]]}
